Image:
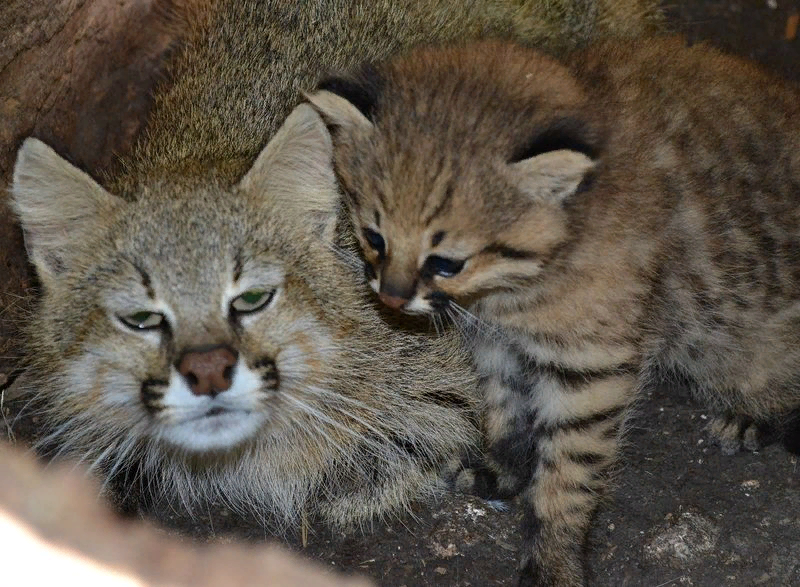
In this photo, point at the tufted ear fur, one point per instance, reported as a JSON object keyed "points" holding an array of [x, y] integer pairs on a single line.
{"points": [[60, 207], [552, 176], [295, 169]]}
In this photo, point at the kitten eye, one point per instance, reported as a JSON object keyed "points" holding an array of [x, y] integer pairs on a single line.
{"points": [[435, 265], [143, 320], [252, 300], [375, 241]]}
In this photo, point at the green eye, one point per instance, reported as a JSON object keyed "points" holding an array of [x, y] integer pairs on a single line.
{"points": [[143, 320], [252, 300]]}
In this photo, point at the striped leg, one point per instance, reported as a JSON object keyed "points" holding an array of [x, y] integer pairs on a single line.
{"points": [[579, 419], [509, 417], [507, 467]]}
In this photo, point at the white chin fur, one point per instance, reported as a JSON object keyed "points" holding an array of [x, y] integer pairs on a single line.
{"points": [[417, 305], [187, 424]]}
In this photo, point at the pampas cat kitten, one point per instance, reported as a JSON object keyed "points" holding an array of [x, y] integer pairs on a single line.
{"points": [[602, 225]]}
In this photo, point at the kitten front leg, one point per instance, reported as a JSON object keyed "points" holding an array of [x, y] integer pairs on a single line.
{"points": [[508, 423], [579, 422], [734, 432]]}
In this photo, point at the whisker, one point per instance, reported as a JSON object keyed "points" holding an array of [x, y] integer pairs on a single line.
{"points": [[311, 411], [350, 257]]}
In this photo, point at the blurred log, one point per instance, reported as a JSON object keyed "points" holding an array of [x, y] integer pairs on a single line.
{"points": [[52, 526]]}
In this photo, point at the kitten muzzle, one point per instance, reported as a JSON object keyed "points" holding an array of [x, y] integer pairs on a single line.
{"points": [[396, 295], [392, 301], [439, 301]]}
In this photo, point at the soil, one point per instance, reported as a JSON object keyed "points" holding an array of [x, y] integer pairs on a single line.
{"points": [[682, 513]]}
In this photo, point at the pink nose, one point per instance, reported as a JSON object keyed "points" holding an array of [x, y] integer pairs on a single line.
{"points": [[392, 301], [208, 372]]}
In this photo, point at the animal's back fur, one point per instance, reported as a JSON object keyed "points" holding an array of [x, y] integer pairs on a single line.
{"points": [[246, 64]]}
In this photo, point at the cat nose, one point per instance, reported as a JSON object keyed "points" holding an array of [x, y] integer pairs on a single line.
{"points": [[208, 371], [392, 301], [395, 291]]}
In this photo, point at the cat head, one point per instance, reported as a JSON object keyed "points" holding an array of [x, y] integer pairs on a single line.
{"points": [[219, 341], [188, 315], [459, 166]]}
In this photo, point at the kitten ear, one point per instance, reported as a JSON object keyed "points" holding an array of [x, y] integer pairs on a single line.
{"points": [[295, 170], [60, 207], [349, 101], [552, 176]]}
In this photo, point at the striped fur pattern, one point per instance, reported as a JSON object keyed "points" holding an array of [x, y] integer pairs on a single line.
{"points": [[590, 224]]}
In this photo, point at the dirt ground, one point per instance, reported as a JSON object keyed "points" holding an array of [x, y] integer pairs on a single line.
{"points": [[682, 513]]}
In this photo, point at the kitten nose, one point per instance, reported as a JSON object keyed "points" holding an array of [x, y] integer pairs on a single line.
{"points": [[392, 301], [395, 291], [208, 371]]}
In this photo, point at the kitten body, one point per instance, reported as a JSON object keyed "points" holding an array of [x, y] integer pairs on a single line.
{"points": [[602, 226]]}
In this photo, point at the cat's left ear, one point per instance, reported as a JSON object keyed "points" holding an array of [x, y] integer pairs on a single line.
{"points": [[349, 102], [552, 176], [295, 170]]}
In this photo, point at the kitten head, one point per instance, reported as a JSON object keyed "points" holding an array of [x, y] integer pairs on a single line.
{"points": [[459, 166]]}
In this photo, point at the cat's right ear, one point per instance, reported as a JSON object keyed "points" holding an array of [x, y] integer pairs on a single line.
{"points": [[59, 206], [338, 113]]}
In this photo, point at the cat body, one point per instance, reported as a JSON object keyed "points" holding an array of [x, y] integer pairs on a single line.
{"points": [[202, 337], [204, 353], [591, 224]]}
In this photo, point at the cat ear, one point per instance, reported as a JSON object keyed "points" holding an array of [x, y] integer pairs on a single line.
{"points": [[552, 176], [295, 170], [60, 207], [349, 102], [338, 112], [555, 160]]}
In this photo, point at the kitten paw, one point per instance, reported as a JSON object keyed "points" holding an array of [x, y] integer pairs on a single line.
{"points": [[486, 484], [478, 481], [735, 433]]}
